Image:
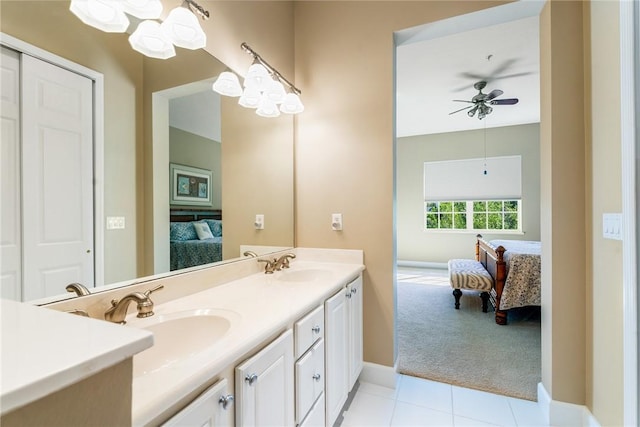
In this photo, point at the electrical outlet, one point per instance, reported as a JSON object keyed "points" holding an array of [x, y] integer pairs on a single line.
{"points": [[336, 222], [259, 223]]}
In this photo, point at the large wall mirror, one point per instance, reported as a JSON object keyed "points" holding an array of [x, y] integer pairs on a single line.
{"points": [[163, 127]]}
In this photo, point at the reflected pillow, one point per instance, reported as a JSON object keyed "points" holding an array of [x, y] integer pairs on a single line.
{"points": [[215, 225], [182, 231], [203, 230]]}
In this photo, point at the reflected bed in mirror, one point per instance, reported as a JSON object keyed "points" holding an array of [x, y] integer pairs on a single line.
{"points": [[131, 177]]}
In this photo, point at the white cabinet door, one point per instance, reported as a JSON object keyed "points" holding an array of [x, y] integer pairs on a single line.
{"points": [[336, 365], [264, 386], [355, 330], [212, 408], [309, 379]]}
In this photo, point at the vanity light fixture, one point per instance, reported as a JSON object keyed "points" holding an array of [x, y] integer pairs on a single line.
{"points": [[105, 15], [150, 40], [182, 26], [264, 88], [143, 9]]}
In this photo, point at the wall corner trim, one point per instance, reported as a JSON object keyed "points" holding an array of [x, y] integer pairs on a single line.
{"points": [[385, 376], [558, 413]]}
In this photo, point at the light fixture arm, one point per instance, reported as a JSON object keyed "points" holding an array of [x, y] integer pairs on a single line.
{"points": [[269, 68], [201, 10]]}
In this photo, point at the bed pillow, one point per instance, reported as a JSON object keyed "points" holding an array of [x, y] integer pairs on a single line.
{"points": [[182, 231], [203, 230], [215, 225]]}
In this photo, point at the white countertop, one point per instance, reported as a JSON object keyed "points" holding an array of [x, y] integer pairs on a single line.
{"points": [[262, 306], [44, 350]]}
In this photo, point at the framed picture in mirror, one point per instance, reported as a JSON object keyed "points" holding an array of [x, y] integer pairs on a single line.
{"points": [[190, 185]]}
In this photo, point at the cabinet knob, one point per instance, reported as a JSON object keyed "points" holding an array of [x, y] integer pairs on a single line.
{"points": [[316, 329], [251, 379], [354, 290], [316, 377], [348, 295], [225, 401]]}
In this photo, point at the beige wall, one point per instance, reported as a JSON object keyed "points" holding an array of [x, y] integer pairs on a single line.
{"points": [[605, 307], [415, 244], [186, 148], [344, 140], [39, 23]]}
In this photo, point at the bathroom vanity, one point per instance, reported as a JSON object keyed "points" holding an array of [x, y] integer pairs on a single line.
{"points": [[235, 346]]}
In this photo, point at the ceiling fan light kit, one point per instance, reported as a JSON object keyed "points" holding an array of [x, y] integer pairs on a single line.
{"points": [[481, 101]]}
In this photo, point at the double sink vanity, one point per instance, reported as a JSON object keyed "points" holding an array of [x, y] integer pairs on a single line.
{"points": [[225, 345]]}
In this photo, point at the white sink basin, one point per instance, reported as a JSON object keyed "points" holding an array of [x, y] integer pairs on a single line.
{"points": [[307, 275], [179, 336]]}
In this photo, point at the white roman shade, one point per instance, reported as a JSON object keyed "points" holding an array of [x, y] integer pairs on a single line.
{"points": [[454, 180]]}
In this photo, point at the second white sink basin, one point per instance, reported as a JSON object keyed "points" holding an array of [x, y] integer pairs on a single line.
{"points": [[307, 275], [179, 336]]}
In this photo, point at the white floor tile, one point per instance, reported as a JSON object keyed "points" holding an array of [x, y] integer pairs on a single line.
{"points": [[369, 388], [421, 392], [369, 410], [527, 413], [482, 406], [408, 415], [459, 421]]}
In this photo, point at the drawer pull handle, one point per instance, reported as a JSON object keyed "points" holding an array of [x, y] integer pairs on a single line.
{"points": [[316, 329], [225, 400], [251, 379], [316, 377], [354, 290], [348, 295]]}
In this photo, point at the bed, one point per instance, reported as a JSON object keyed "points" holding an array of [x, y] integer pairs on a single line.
{"points": [[186, 249], [515, 268]]}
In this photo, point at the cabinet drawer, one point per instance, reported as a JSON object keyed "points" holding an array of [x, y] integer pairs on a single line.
{"points": [[309, 379], [211, 408], [316, 414], [308, 330]]}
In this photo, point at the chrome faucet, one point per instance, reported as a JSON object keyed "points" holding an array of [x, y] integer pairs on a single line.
{"points": [[283, 261], [118, 310], [80, 290]]}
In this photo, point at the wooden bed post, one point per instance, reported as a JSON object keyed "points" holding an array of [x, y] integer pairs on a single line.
{"points": [[478, 238], [501, 277]]}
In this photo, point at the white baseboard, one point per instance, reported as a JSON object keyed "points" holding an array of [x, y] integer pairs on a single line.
{"points": [[560, 414], [381, 375], [422, 264]]}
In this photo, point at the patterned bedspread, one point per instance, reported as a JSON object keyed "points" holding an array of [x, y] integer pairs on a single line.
{"points": [[189, 253], [522, 287]]}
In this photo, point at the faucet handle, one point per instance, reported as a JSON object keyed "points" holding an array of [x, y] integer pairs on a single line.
{"points": [[157, 288]]}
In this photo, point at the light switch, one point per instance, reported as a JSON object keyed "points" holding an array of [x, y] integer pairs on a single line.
{"points": [[259, 223], [115, 223], [612, 226], [336, 221]]}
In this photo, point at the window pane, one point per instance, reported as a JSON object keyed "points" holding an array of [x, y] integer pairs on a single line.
{"points": [[446, 207], [460, 221], [432, 220], [460, 207], [510, 221], [479, 206], [480, 221], [495, 221], [432, 207], [511, 206], [495, 206], [446, 221]]}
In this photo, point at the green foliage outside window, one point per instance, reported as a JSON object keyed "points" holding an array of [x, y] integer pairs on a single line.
{"points": [[486, 215]]}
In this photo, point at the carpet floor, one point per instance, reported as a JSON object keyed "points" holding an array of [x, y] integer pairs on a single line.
{"points": [[465, 347]]}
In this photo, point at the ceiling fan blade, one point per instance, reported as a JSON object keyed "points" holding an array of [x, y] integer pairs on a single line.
{"points": [[493, 94], [508, 101], [462, 109], [504, 66], [462, 100]]}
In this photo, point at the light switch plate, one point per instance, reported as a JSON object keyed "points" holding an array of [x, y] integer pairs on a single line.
{"points": [[612, 226], [115, 223], [259, 223], [336, 221]]}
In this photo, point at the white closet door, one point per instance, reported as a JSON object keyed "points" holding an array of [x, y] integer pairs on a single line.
{"points": [[57, 164], [10, 216]]}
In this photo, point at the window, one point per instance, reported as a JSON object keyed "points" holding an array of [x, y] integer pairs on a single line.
{"points": [[473, 215]]}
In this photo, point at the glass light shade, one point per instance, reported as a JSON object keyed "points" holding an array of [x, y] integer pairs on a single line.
{"points": [[267, 108], [105, 15], [227, 84], [292, 104], [143, 9], [149, 40], [250, 98], [257, 77], [275, 92], [183, 29]]}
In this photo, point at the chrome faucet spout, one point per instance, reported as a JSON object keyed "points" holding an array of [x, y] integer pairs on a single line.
{"points": [[79, 289], [250, 253], [118, 310]]}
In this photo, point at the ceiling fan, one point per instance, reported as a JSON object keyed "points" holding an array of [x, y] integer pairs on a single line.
{"points": [[482, 101]]}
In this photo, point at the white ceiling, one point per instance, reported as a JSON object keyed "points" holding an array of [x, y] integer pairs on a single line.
{"points": [[437, 63]]}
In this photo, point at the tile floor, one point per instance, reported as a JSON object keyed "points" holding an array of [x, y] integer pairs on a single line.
{"points": [[419, 402]]}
